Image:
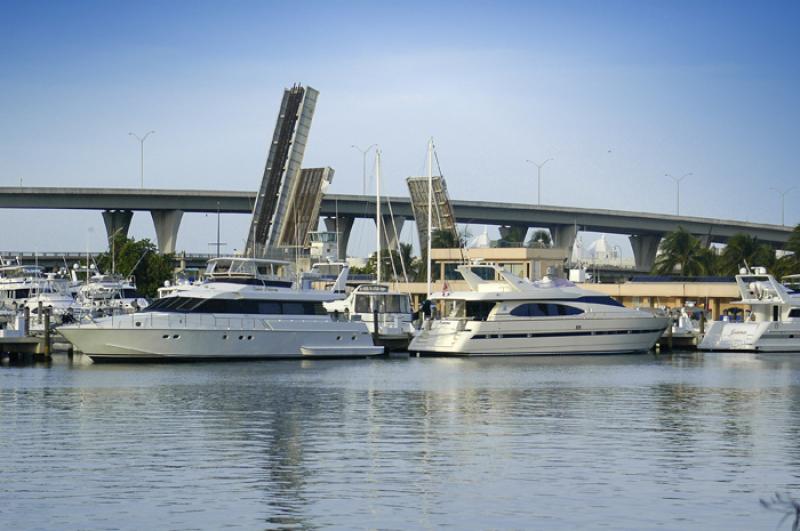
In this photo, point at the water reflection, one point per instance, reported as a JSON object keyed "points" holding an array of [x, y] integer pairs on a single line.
{"points": [[677, 441]]}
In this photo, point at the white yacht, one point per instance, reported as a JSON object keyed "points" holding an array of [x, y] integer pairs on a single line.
{"points": [[392, 310], [28, 285], [107, 294], [504, 314], [774, 321], [247, 309]]}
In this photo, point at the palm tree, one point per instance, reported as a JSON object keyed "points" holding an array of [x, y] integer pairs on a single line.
{"points": [[540, 238], [789, 264], [445, 239], [745, 249], [411, 263], [682, 252], [513, 238]]}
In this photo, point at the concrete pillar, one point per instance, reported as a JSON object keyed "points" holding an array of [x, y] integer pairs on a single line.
{"points": [[563, 237], [645, 247], [343, 225], [388, 229], [167, 223], [117, 222], [514, 234]]}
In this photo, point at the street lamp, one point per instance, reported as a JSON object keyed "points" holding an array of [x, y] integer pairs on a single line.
{"points": [[783, 197], [539, 178], [364, 164], [141, 140], [678, 190]]}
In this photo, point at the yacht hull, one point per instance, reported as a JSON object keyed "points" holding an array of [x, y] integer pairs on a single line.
{"points": [[567, 337], [752, 337], [187, 344]]}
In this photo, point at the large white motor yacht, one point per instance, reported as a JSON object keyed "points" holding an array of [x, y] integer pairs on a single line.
{"points": [[247, 309], [504, 314], [774, 321]]}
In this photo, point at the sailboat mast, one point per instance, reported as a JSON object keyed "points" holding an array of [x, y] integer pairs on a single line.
{"points": [[378, 212], [430, 209]]}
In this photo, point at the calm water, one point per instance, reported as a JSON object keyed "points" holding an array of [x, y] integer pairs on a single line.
{"points": [[637, 442]]}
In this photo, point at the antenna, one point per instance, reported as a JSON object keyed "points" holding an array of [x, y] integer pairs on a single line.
{"points": [[430, 209]]}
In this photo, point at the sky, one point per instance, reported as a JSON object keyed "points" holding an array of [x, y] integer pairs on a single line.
{"points": [[617, 93]]}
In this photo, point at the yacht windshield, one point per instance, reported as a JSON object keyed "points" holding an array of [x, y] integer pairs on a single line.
{"points": [[392, 304]]}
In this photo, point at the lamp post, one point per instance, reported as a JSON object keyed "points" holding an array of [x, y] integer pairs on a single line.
{"points": [[783, 198], [678, 190], [364, 164], [538, 178], [141, 140]]}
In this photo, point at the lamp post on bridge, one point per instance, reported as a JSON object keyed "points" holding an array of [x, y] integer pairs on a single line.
{"points": [[783, 198], [141, 140], [539, 178], [364, 164], [678, 190]]}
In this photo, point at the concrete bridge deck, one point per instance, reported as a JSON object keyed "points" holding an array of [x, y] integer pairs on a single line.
{"points": [[167, 206]]}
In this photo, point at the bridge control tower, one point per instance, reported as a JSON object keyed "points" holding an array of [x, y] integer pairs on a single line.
{"points": [[281, 186]]}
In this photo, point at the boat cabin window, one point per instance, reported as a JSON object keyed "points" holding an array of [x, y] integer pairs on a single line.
{"points": [[544, 309], [389, 303], [21, 293], [456, 309], [486, 273], [794, 312], [392, 303], [261, 307], [362, 304], [479, 310], [600, 299], [129, 293]]}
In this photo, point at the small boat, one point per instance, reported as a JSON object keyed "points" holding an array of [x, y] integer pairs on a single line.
{"points": [[503, 314], [685, 330], [773, 324], [387, 314]]}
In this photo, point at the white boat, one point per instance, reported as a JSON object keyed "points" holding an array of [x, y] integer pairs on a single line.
{"points": [[392, 309], [28, 285], [386, 313], [686, 327], [107, 294], [247, 309], [504, 314], [774, 321]]}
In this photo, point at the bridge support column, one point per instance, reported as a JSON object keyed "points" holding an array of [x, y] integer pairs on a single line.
{"points": [[563, 237], [513, 233], [389, 239], [645, 248], [343, 226], [117, 222], [167, 223]]}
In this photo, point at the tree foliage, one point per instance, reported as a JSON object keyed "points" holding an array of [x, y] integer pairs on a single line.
{"points": [[140, 259], [789, 264], [681, 253], [445, 239], [744, 249], [540, 239]]}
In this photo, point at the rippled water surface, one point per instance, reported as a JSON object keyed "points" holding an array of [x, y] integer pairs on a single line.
{"points": [[636, 442]]}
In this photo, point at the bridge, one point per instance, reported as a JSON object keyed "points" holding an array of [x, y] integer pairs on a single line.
{"points": [[166, 207]]}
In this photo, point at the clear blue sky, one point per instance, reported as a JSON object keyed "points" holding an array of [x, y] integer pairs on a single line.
{"points": [[618, 93]]}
